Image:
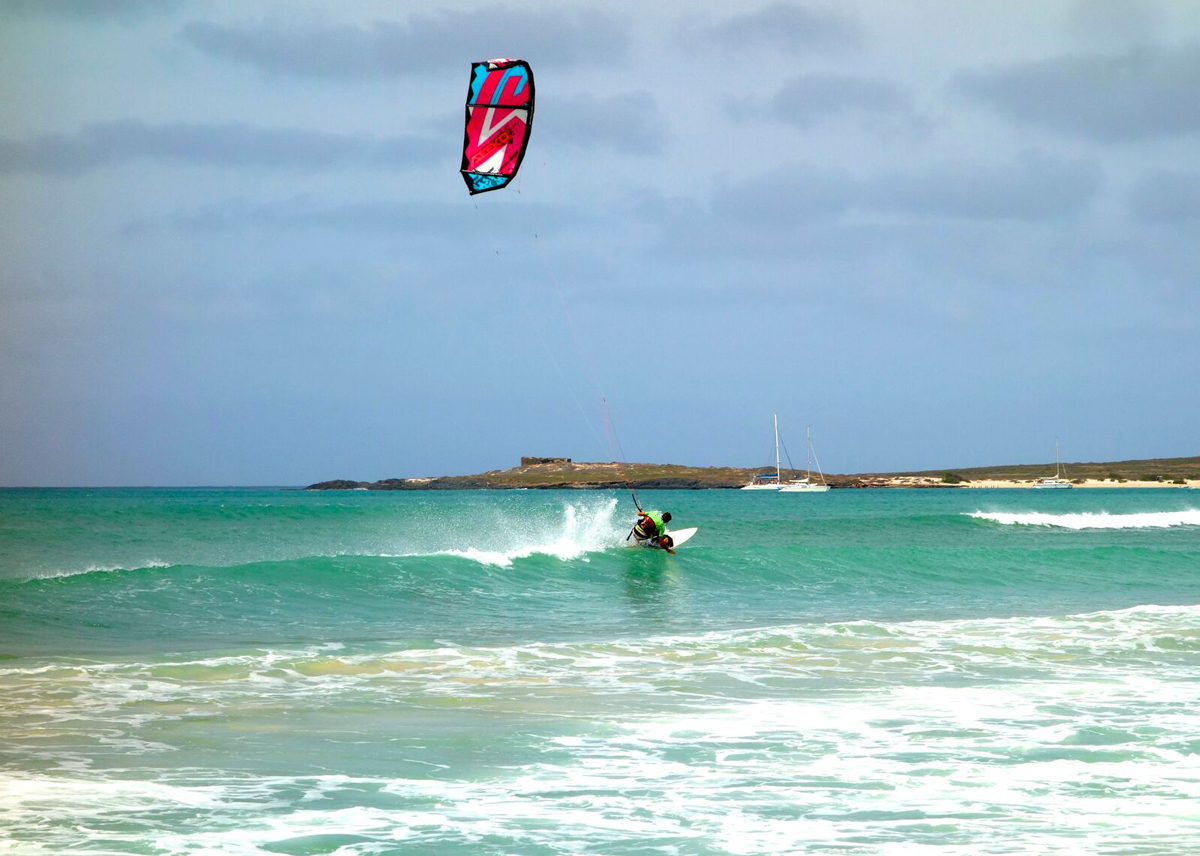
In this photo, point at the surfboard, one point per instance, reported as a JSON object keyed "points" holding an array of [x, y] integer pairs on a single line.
{"points": [[679, 536]]}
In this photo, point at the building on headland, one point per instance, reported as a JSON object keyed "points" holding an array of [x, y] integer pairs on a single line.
{"points": [[533, 462]]}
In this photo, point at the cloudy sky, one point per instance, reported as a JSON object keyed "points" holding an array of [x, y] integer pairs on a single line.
{"points": [[235, 247]]}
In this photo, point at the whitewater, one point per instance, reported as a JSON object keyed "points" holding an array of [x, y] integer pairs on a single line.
{"points": [[266, 671], [1096, 520]]}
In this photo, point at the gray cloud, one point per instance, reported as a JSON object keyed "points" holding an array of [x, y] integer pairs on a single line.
{"points": [[628, 123], [786, 196], [1139, 94], [402, 218], [422, 44], [793, 201], [1109, 24], [1166, 196], [1032, 187], [784, 27], [87, 10], [222, 145], [806, 100]]}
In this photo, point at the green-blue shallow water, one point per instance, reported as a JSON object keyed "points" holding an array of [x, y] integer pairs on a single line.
{"points": [[255, 671]]}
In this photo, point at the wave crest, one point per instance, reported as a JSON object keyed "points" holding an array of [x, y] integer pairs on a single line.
{"points": [[1093, 520]]}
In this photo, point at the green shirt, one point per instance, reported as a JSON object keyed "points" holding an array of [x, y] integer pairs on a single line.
{"points": [[660, 528]]}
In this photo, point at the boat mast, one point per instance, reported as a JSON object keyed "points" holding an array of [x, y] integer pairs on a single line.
{"points": [[1057, 459], [778, 473], [808, 454]]}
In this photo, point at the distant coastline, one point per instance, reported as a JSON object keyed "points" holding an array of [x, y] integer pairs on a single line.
{"points": [[565, 474]]}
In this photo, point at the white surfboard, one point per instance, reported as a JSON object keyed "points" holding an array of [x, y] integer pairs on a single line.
{"points": [[678, 536]]}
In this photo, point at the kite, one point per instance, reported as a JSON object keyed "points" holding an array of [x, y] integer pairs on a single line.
{"points": [[499, 119]]}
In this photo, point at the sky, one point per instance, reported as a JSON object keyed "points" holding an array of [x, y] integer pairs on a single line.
{"points": [[235, 247]]}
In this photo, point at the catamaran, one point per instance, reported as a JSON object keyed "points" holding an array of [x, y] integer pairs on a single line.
{"points": [[1058, 482], [806, 484]]}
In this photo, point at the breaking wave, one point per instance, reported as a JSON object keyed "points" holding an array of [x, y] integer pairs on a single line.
{"points": [[571, 531], [1096, 520]]}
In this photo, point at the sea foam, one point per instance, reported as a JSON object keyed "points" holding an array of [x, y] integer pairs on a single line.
{"points": [[837, 733], [1097, 520]]}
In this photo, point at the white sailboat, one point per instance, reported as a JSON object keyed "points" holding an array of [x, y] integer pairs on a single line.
{"points": [[768, 481], [1058, 482], [806, 484]]}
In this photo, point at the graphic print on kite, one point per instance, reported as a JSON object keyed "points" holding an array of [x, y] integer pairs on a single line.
{"points": [[499, 119]]}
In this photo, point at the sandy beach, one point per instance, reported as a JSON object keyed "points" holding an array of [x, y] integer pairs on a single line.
{"points": [[934, 481], [1101, 483]]}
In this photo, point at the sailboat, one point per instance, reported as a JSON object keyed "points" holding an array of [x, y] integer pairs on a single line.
{"points": [[806, 484], [774, 481], [768, 481], [1058, 482]]}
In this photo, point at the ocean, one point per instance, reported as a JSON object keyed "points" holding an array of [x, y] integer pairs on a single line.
{"points": [[268, 671]]}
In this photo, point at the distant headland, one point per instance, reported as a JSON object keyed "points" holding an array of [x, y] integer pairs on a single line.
{"points": [[565, 474]]}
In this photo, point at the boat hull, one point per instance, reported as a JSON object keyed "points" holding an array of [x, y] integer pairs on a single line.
{"points": [[804, 488]]}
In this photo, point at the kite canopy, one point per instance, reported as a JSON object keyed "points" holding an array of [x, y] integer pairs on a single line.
{"points": [[499, 118]]}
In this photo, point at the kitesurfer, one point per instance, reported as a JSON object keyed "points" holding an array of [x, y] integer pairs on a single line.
{"points": [[652, 525]]}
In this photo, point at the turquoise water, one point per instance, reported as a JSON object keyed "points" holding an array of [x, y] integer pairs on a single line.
{"points": [[255, 671]]}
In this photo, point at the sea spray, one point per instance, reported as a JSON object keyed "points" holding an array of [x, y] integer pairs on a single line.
{"points": [[579, 530]]}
